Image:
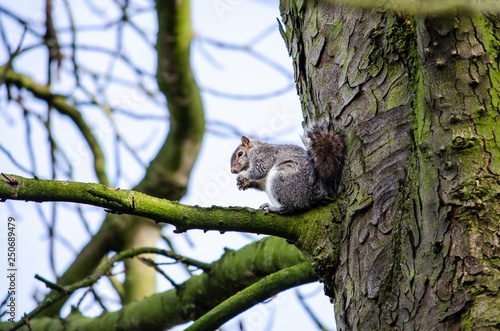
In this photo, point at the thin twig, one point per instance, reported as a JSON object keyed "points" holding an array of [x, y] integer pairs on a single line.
{"points": [[309, 311], [154, 265], [15, 162], [249, 50], [26, 320], [21, 21], [170, 244], [249, 97], [49, 284]]}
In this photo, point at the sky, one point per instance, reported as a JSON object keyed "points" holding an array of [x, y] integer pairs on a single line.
{"points": [[220, 70]]}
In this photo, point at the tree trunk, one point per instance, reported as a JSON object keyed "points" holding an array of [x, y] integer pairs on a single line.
{"points": [[418, 99]]}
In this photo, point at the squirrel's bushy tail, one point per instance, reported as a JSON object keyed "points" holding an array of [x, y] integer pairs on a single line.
{"points": [[326, 147]]}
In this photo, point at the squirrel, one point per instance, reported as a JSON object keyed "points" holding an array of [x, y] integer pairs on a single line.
{"points": [[294, 178]]}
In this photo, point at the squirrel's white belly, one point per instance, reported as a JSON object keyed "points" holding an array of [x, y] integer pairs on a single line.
{"points": [[268, 186]]}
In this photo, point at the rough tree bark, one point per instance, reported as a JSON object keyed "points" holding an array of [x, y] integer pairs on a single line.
{"points": [[418, 97]]}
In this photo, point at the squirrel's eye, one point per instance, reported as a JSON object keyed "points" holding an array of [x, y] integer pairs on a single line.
{"points": [[240, 153]]}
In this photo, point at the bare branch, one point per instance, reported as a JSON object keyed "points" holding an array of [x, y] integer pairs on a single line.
{"points": [[309, 311], [249, 97], [248, 49], [59, 102], [21, 21], [14, 161]]}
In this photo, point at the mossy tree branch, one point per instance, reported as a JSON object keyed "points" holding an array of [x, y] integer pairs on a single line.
{"points": [[258, 292], [313, 232], [233, 272], [64, 291], [183, 217], [168, 174]]}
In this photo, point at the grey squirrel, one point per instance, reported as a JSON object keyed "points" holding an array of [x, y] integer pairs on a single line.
{"points": [[294, 178]]}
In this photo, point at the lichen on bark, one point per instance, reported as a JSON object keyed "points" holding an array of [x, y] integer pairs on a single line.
{"points": [[418, 97]]}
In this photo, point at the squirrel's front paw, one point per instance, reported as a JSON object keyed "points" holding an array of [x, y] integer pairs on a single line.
{"points": [[265, 207], [242, 182]]}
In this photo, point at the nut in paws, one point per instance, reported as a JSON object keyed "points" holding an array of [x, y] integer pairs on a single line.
{"points": [[242, 182]]}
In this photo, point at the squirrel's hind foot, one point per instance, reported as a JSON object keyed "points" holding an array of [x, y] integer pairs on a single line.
{"points": [[266, 208]]}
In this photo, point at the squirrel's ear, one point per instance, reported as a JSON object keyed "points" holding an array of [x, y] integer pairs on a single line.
{"points": [[246, 142]]}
